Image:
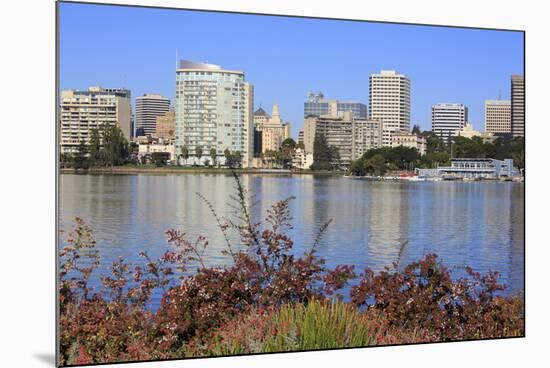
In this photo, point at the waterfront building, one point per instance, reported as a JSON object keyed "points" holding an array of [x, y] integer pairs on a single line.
{"points": [[82, 111], [273, 130], [148, 107], [473, 168], [214, 109], [352, 137], [469, 132], [166, 125], [390, 102], [448, 119], [409, 140], [518, 105], [367, 134], [317, 105], [147, 148], [498, 117], [301, 159]]}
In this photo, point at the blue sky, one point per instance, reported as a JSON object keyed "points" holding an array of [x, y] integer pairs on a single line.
{"points": [[285, 58]]}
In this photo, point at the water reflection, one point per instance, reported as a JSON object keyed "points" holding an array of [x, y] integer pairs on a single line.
{"points": [[476, 224]]}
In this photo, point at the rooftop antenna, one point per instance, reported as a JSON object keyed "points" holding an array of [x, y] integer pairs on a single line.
{"points": [[176, 57], [500, 94]]}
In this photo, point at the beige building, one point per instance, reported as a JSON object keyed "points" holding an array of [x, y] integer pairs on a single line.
{"points": [[166, 125], [352, 137], [469, 132], [498, 116], [273, 130], [390, 102], [82, 111], [145, 148], [409, 140], [518, 106]]}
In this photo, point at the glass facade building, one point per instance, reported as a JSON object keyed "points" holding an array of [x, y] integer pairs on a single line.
{"points": [[316, 105]]}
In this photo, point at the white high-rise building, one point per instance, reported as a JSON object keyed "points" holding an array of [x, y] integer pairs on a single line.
{"points": [[448, 119], [148, 107], [214, 109], [82, 111], [390, 102], [498, 116]]}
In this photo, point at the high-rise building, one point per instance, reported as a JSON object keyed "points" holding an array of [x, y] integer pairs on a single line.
{"points": [[214, 109], [352, 137], [81, 111], [166, 125], [148, 107], [390, 102], [498, 117], [448, 119], [518, 105], [317, 105]]}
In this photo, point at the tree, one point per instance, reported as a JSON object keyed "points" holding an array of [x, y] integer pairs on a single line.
{"points": [[198, 152], [376, 165], [289, 143], [416, 129], [160, 158], [95, 149], [184, 153], [213, 155], [232, 160], [115, 146], [80, 160], [322, 154]]}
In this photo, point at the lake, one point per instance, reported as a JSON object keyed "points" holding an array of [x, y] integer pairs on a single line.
{"points": [[480, 224]]}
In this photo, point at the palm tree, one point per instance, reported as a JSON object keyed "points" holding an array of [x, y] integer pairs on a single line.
{"points": [[185, 153], [198, 152], [213, 156]]}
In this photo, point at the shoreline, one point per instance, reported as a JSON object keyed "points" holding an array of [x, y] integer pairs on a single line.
{"points": [[132, 170], [129, 170]]}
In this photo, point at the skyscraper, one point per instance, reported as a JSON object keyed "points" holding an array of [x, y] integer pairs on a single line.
{"points": [[498, 117], [390, 102], [316, 105], [214, 110], [148, 107], [448, 119], [81, 111], [518, 105]]}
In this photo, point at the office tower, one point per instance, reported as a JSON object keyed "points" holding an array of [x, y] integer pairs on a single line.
{"points": [[214, 110], [448, 119], [498, 117], [166, 125], [390, 102], [316, 105], [148, 107], [518, 105], [81, 111]]}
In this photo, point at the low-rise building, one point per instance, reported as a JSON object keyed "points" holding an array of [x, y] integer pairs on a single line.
{"points": [[474, 168], [409, 140], [147, 148], [301, 159], [469, 132]]}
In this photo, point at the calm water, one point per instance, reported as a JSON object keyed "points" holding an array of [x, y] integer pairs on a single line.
{"points": [[476, 224]]}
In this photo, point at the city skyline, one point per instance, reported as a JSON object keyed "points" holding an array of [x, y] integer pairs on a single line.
{"points": [[475, 65]]}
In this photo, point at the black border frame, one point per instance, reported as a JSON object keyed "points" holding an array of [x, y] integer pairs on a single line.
{"points": [[57, 174]]}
